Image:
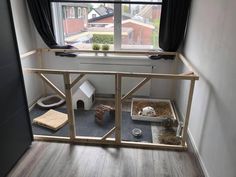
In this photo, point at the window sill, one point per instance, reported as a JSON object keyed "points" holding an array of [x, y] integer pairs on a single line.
{"points": [[111, 56], [117, 59], [113, 59]]}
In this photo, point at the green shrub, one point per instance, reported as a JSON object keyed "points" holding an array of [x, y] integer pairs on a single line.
{"points": [[103, 38], [96, 47], [105, 47]]}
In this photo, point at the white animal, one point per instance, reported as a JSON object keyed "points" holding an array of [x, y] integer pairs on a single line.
{"points": [[147, 111]]}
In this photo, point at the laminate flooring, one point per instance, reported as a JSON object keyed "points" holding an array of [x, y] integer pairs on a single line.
{"points": [[44, 159]]}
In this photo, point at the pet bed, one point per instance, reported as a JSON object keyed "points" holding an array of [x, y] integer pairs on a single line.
{"points": [[52, 119]]}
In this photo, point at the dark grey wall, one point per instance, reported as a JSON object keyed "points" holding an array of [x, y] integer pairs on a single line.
{"points": [[15, 129]]}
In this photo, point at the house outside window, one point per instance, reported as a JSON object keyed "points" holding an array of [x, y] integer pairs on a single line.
{"points": [[122, 26], [70, 12], [84, 13], [79, 12], [94, 15]]}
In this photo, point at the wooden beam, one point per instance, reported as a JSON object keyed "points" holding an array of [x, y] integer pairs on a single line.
{"points": [[108, 133], [187, 64], [91, 138], [131, 52], [124, 74], [160, 76], [58, 91], [69, 106], [40, 59], [140, 84], [28, 54], [56, 71], [77, 80], [187, 73], [187, 115], [51, 138], [153, 145], [94, 140], [109, 142], [176, 112], [118, 105]]}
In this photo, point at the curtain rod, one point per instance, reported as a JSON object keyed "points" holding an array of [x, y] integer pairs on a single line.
{"points": [[108, 1]]}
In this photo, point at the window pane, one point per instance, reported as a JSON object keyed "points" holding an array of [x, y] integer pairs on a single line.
{"points": [[108, 1], [79, 12], [140, 26], [88, 23]]}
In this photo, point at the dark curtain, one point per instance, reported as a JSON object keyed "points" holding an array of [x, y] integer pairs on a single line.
{"points": [[41, 14], [173, 22]]}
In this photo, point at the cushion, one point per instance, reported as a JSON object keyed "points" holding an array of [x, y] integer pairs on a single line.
{"points": [[52, 119]]}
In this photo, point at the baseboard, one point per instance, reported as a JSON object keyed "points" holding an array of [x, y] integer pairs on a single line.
{"points": [[193, 148]]}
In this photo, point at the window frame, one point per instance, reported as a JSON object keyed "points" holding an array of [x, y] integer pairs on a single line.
{"points": [[79, 13], [70, 12], [58, 16]]}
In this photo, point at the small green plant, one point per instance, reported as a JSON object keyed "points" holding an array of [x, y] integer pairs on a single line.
{"points": [[105, 47], [96, 47]]}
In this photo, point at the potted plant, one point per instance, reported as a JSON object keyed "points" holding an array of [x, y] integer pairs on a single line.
{"points": [[96, 47], [105, 47]]}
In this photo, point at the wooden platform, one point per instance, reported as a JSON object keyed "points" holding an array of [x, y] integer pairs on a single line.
{"points": [[58, 159]]}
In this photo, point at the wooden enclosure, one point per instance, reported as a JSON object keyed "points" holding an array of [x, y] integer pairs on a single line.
{"points": [[191, 76]]}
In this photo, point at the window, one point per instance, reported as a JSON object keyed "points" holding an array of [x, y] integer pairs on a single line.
{"points": [[84, 13], [94, 15], [79, 12], [70, 12], [140, 26], [121, 26]]}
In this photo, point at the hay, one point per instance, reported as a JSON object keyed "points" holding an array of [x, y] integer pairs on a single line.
{"points": [[168, 136], [161, 108]]}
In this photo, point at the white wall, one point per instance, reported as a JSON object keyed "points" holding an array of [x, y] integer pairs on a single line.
{"points": [[90, 15], [105, 84], [160, 88], [211, 48], [26, 42]]}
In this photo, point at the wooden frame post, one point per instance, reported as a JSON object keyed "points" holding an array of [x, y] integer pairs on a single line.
{"points": [[189, 104], [40, 59], [139, 85], [70, 111], [108, 133], [77, 80], [52, 86], [118, 105]]}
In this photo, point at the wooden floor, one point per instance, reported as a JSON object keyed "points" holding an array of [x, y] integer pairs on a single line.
{"points": [[64, 160]]}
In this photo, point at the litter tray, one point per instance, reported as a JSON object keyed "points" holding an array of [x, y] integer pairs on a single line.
{"points": [[162, 107]]}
